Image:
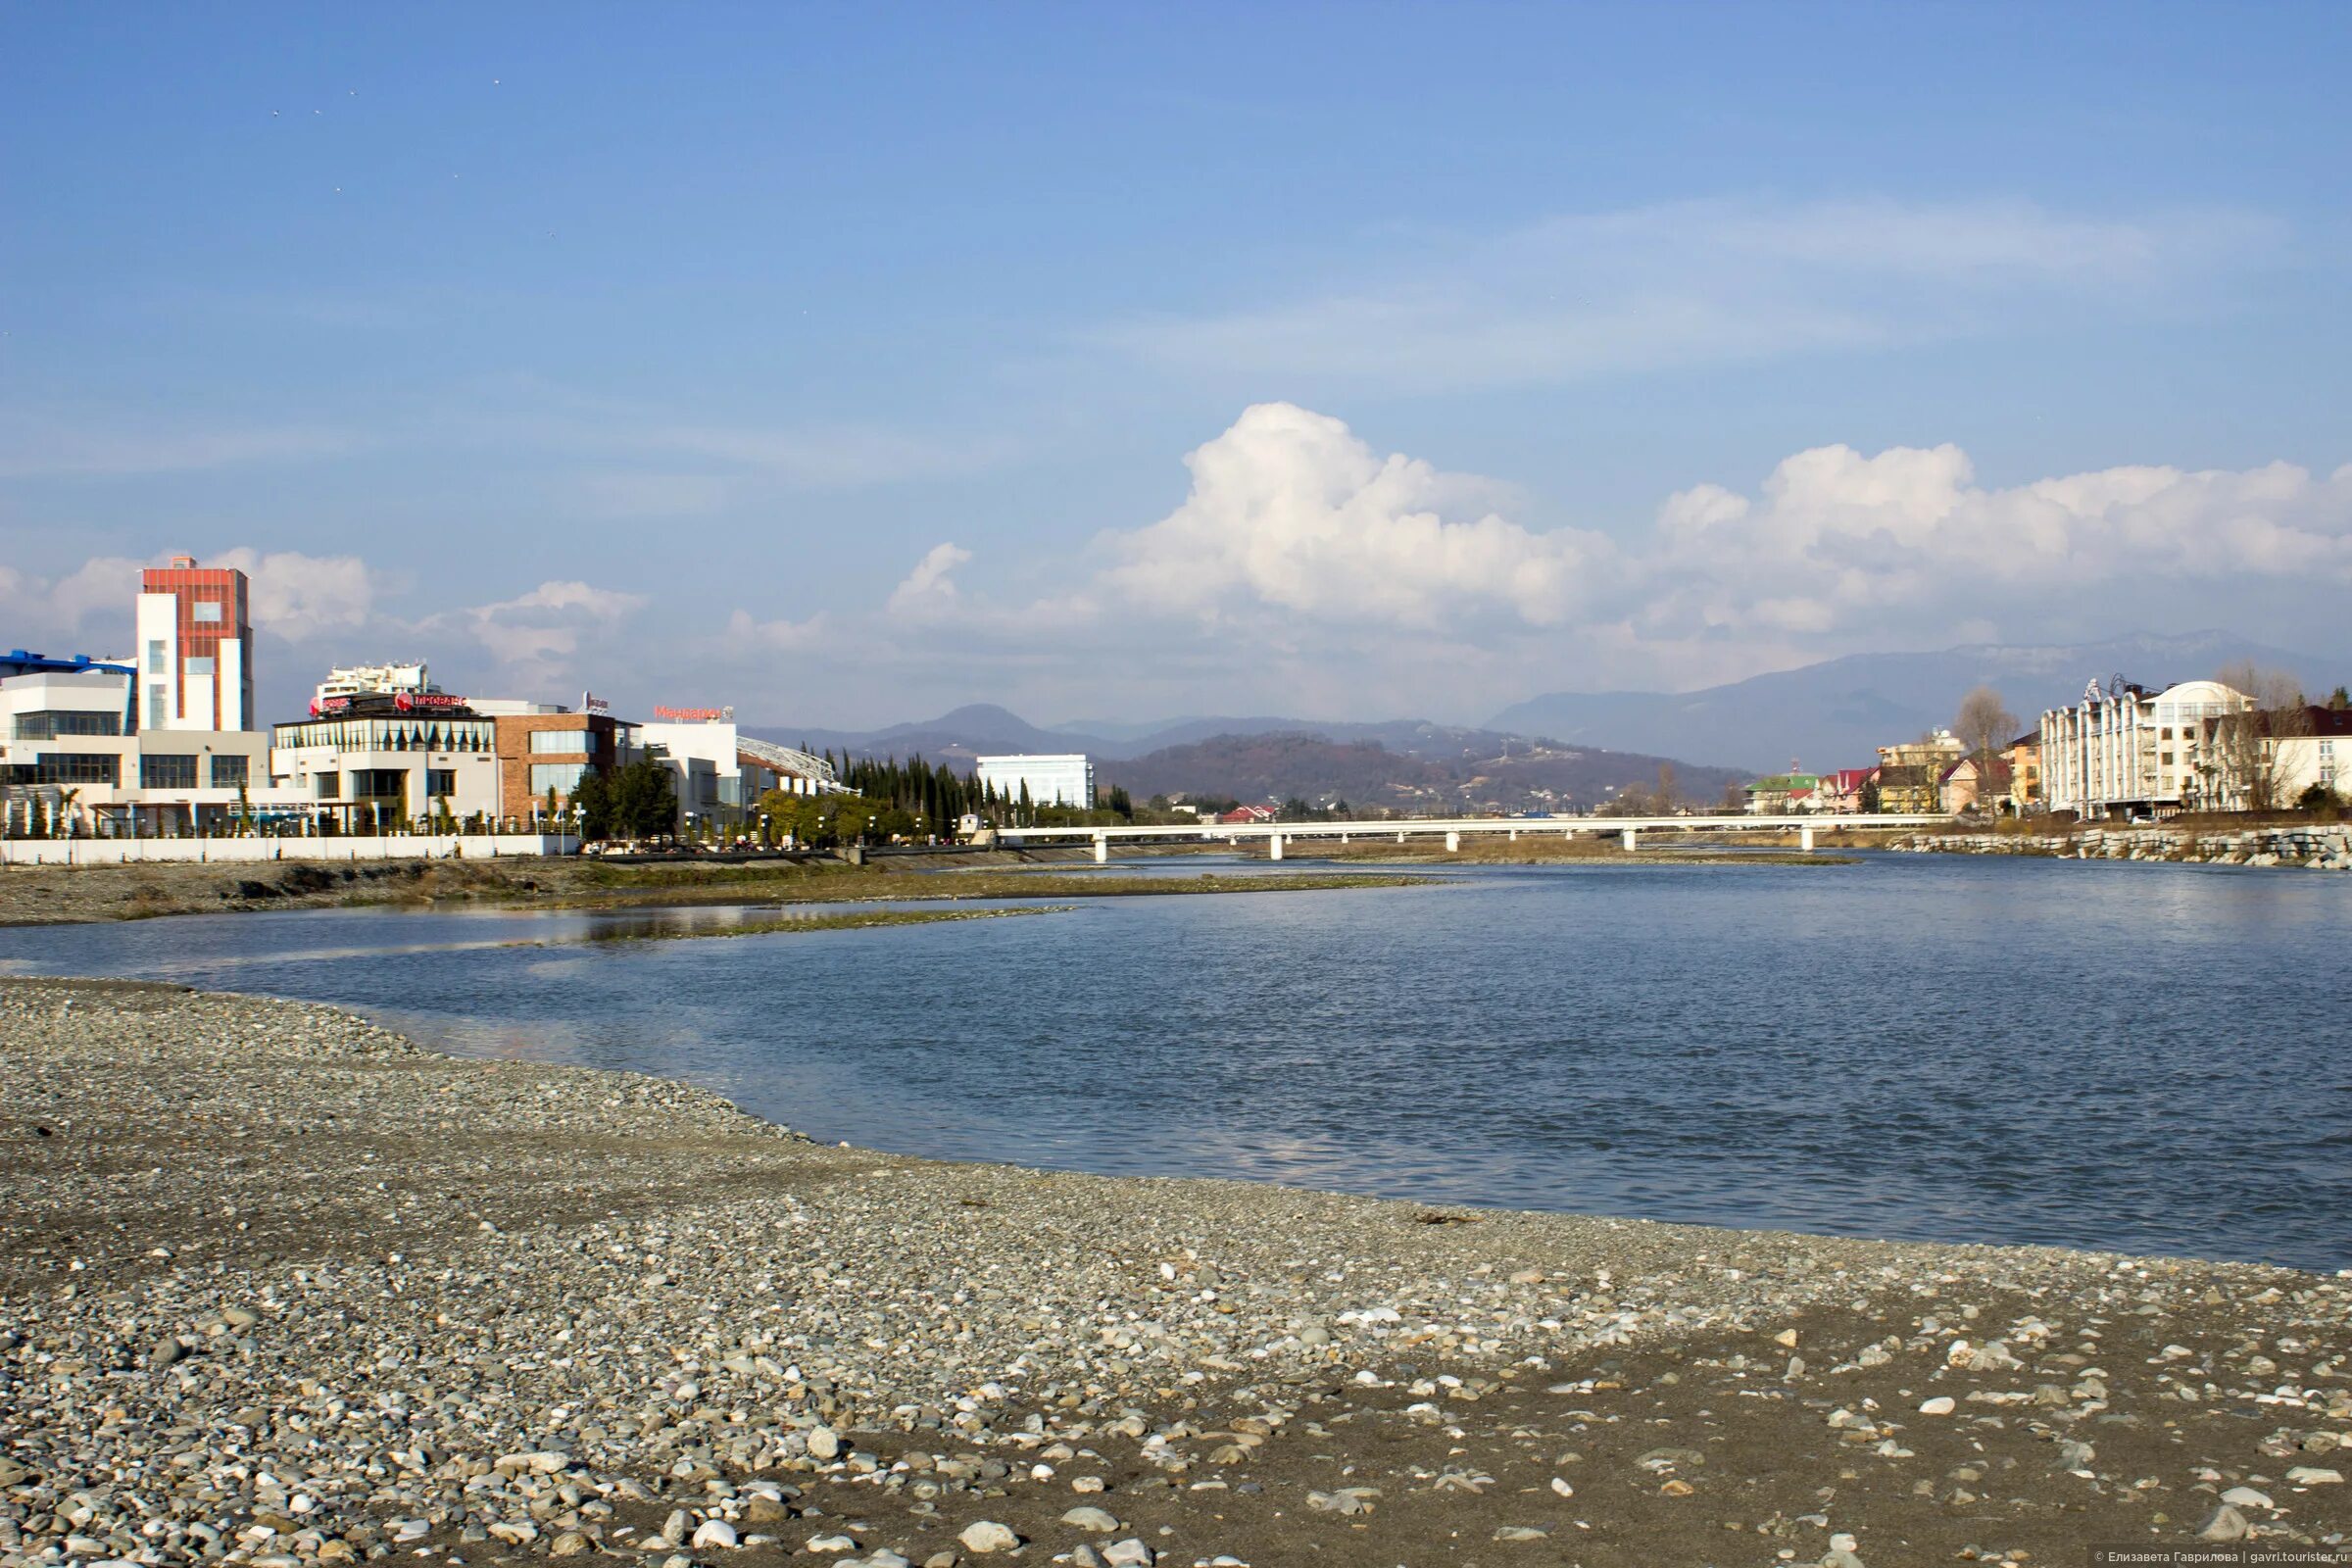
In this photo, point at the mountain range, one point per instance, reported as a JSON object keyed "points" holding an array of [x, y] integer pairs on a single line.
{"points": [[1576, 745], [1838, 713]]}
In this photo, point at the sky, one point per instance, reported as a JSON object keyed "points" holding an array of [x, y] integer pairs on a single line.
{"points": [[844, 365]]}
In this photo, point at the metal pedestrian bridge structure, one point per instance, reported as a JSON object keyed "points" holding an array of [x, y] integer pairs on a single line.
{"points": [[789, 760], [1279, 835]]}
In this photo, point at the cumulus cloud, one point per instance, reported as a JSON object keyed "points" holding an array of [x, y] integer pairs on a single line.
{"points": [[1304, 566], [1837, 541], [928, 589], [298, 597], [1291, 511], [536, 638], [293, 596]]}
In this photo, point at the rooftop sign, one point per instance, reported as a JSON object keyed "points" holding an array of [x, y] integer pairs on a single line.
{"points": [[692, 715]]}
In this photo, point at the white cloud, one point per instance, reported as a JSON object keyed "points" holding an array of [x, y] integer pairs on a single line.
{"points": [[101, 590], [298, 597], [1835, 541], [1695, 283], [537, 638], [928, 589], [1291, 511]]}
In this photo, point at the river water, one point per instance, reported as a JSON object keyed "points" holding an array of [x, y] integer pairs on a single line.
{"points": [[2144, 1058]]}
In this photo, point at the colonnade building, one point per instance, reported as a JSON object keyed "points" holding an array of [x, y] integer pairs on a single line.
{"points": [[2128, 751]]}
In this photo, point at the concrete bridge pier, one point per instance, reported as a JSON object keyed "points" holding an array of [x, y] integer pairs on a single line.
{"points": [[1102, 849], [1514, 835], [1401, 837], [1804, 838], [1274, 847], [1454, 841], [1630, 837]]}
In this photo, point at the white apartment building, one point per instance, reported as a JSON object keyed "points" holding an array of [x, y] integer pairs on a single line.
{"points": [[2130, 752], [1057, 779], [73, 759]]}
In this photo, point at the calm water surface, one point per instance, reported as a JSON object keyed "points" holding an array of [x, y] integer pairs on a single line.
{"points": [[2154, 1058]]}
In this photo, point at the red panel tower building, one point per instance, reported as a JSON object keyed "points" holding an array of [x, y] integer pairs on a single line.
{"points": [[195, 648]]}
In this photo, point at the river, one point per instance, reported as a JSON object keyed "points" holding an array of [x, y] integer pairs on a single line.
{"points": [[2144, 1058]]}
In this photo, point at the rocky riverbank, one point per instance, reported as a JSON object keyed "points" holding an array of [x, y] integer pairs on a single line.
{"points": [[2316, 846], [279, 1287]]}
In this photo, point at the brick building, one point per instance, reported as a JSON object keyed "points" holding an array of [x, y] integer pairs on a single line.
{"points": [[540, 752]]}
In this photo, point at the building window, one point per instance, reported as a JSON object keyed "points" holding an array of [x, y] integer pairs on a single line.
{"points": [[49, 725], [330, 786], [159, 707], [198, 669], [206, 612], [228, 771], [440, 782], [155, 657], [570, 742], [561, 777], [379, 783], [70, 767], [171, 771]]}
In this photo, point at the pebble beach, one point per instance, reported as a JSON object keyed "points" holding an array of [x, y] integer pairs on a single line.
{"points": [[279, 1287]]}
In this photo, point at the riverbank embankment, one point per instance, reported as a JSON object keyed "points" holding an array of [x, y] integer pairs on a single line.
{"points": [[2317, 846], [279, 1287], [79, 894]]}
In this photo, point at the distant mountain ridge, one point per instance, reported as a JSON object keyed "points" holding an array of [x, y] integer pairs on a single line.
{"points": [[1830, 715], [1836, 713], [1407, 764]]}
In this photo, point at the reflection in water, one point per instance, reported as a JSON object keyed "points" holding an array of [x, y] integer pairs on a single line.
{"points": [[2117, 1055]]}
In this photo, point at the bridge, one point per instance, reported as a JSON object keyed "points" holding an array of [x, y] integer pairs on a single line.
{"points": [[1279, 834]]}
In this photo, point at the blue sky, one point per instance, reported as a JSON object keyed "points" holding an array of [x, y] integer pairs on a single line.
{"points": [[845, 365]]}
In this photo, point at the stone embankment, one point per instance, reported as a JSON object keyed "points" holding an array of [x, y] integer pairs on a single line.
{"points": [[2320, 848], [280, 1288]]}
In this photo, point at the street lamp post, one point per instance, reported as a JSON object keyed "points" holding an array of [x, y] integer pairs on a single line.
{"points": [[764, 830]]}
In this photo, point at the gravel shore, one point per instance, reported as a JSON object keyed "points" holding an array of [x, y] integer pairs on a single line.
{"points": [[279, 1287]]}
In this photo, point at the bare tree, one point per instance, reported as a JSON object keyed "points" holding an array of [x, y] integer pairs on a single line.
{"points": [[1668, 796], [1985, 726], [2245, 743]]}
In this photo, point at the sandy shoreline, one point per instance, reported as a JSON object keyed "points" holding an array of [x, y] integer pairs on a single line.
{"points": [[278, 1286]]}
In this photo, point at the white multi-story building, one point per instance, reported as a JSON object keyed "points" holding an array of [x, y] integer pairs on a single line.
{"points": [[1061, 779], [2129, 751], [74, 760], [719, 772]]}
